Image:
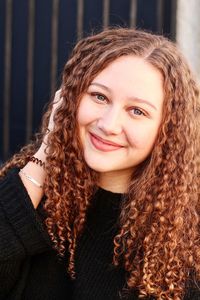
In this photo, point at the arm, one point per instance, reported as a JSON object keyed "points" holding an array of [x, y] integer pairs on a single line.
{"points": [[21, 230], [34, 170], [19, 220]]}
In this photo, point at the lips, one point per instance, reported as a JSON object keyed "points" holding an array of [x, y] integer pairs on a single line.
{"points": [[102, 144]]}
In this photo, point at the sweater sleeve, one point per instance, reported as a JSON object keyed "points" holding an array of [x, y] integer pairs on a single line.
{"points": [[22, 234], [21, 229]]}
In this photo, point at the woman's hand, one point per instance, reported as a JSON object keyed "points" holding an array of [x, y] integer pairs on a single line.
{"points": [[56, 104]]}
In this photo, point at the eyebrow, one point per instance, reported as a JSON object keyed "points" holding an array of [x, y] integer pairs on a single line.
{"points": [[132, 98]]}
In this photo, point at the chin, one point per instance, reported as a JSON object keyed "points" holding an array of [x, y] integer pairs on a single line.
{"points": [[98, 167]]}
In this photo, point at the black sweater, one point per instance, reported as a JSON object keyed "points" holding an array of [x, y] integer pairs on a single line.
{"points": [[31, 270]]}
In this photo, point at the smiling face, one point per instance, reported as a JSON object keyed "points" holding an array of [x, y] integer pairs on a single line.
{"points": [[119, 116]]}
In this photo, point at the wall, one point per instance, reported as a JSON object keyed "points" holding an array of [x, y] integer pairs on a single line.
{"points": [[35, 40], [188, 31]]}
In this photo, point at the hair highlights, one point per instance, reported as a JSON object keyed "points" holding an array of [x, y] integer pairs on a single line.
{"points": [[158, 240]]}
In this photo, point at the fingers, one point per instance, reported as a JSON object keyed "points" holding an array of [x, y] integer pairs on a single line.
{"points": [[56, 103], [57, 97]]}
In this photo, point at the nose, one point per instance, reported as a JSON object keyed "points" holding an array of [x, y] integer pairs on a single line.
{"points": [[111, 122]]}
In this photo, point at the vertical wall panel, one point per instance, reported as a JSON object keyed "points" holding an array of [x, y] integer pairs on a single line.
{"points": [[2, 39], [119, 12], [30, 68], [93, 15], [7, 76], [19, 75], [79, 18], [133, 13], [169, 18], [67, 32], [147, 14], [160, 15], [42, 58], [106, 13], [54, 43]]}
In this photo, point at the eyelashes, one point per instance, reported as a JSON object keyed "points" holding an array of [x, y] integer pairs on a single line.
{"points": [[99, 97], [102, 99], [138, 111]]}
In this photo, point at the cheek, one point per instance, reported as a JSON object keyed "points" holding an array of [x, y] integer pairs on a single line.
{"points": [[142, 137], [82, 118], [86, 113], [83, 115]]}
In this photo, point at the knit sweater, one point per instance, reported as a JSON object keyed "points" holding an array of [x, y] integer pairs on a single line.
{"points": [[30, 268]]}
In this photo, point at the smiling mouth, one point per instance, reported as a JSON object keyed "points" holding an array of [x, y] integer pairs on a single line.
{"points": [[102, 144]]}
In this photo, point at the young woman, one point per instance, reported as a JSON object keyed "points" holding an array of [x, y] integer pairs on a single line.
{"points": [[111, 183]]}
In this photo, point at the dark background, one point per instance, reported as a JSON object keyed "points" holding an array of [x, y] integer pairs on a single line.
{"points": [[15, 126]]}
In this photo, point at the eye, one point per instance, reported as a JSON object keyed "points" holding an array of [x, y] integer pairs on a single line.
{"points": [[137, 112], [99, 97]]}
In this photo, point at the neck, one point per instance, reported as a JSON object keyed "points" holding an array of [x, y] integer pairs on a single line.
{"points": [[116, 181]]}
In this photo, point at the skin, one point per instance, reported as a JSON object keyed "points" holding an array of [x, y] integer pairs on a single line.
{"points": [[123, 105], [34, 170], [112, 111]]}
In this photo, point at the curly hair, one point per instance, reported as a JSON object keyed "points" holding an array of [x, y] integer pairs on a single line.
{"points": [[158, 238]]}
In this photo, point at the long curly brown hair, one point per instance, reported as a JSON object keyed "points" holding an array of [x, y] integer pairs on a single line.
{"points": [[158, 240]]}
